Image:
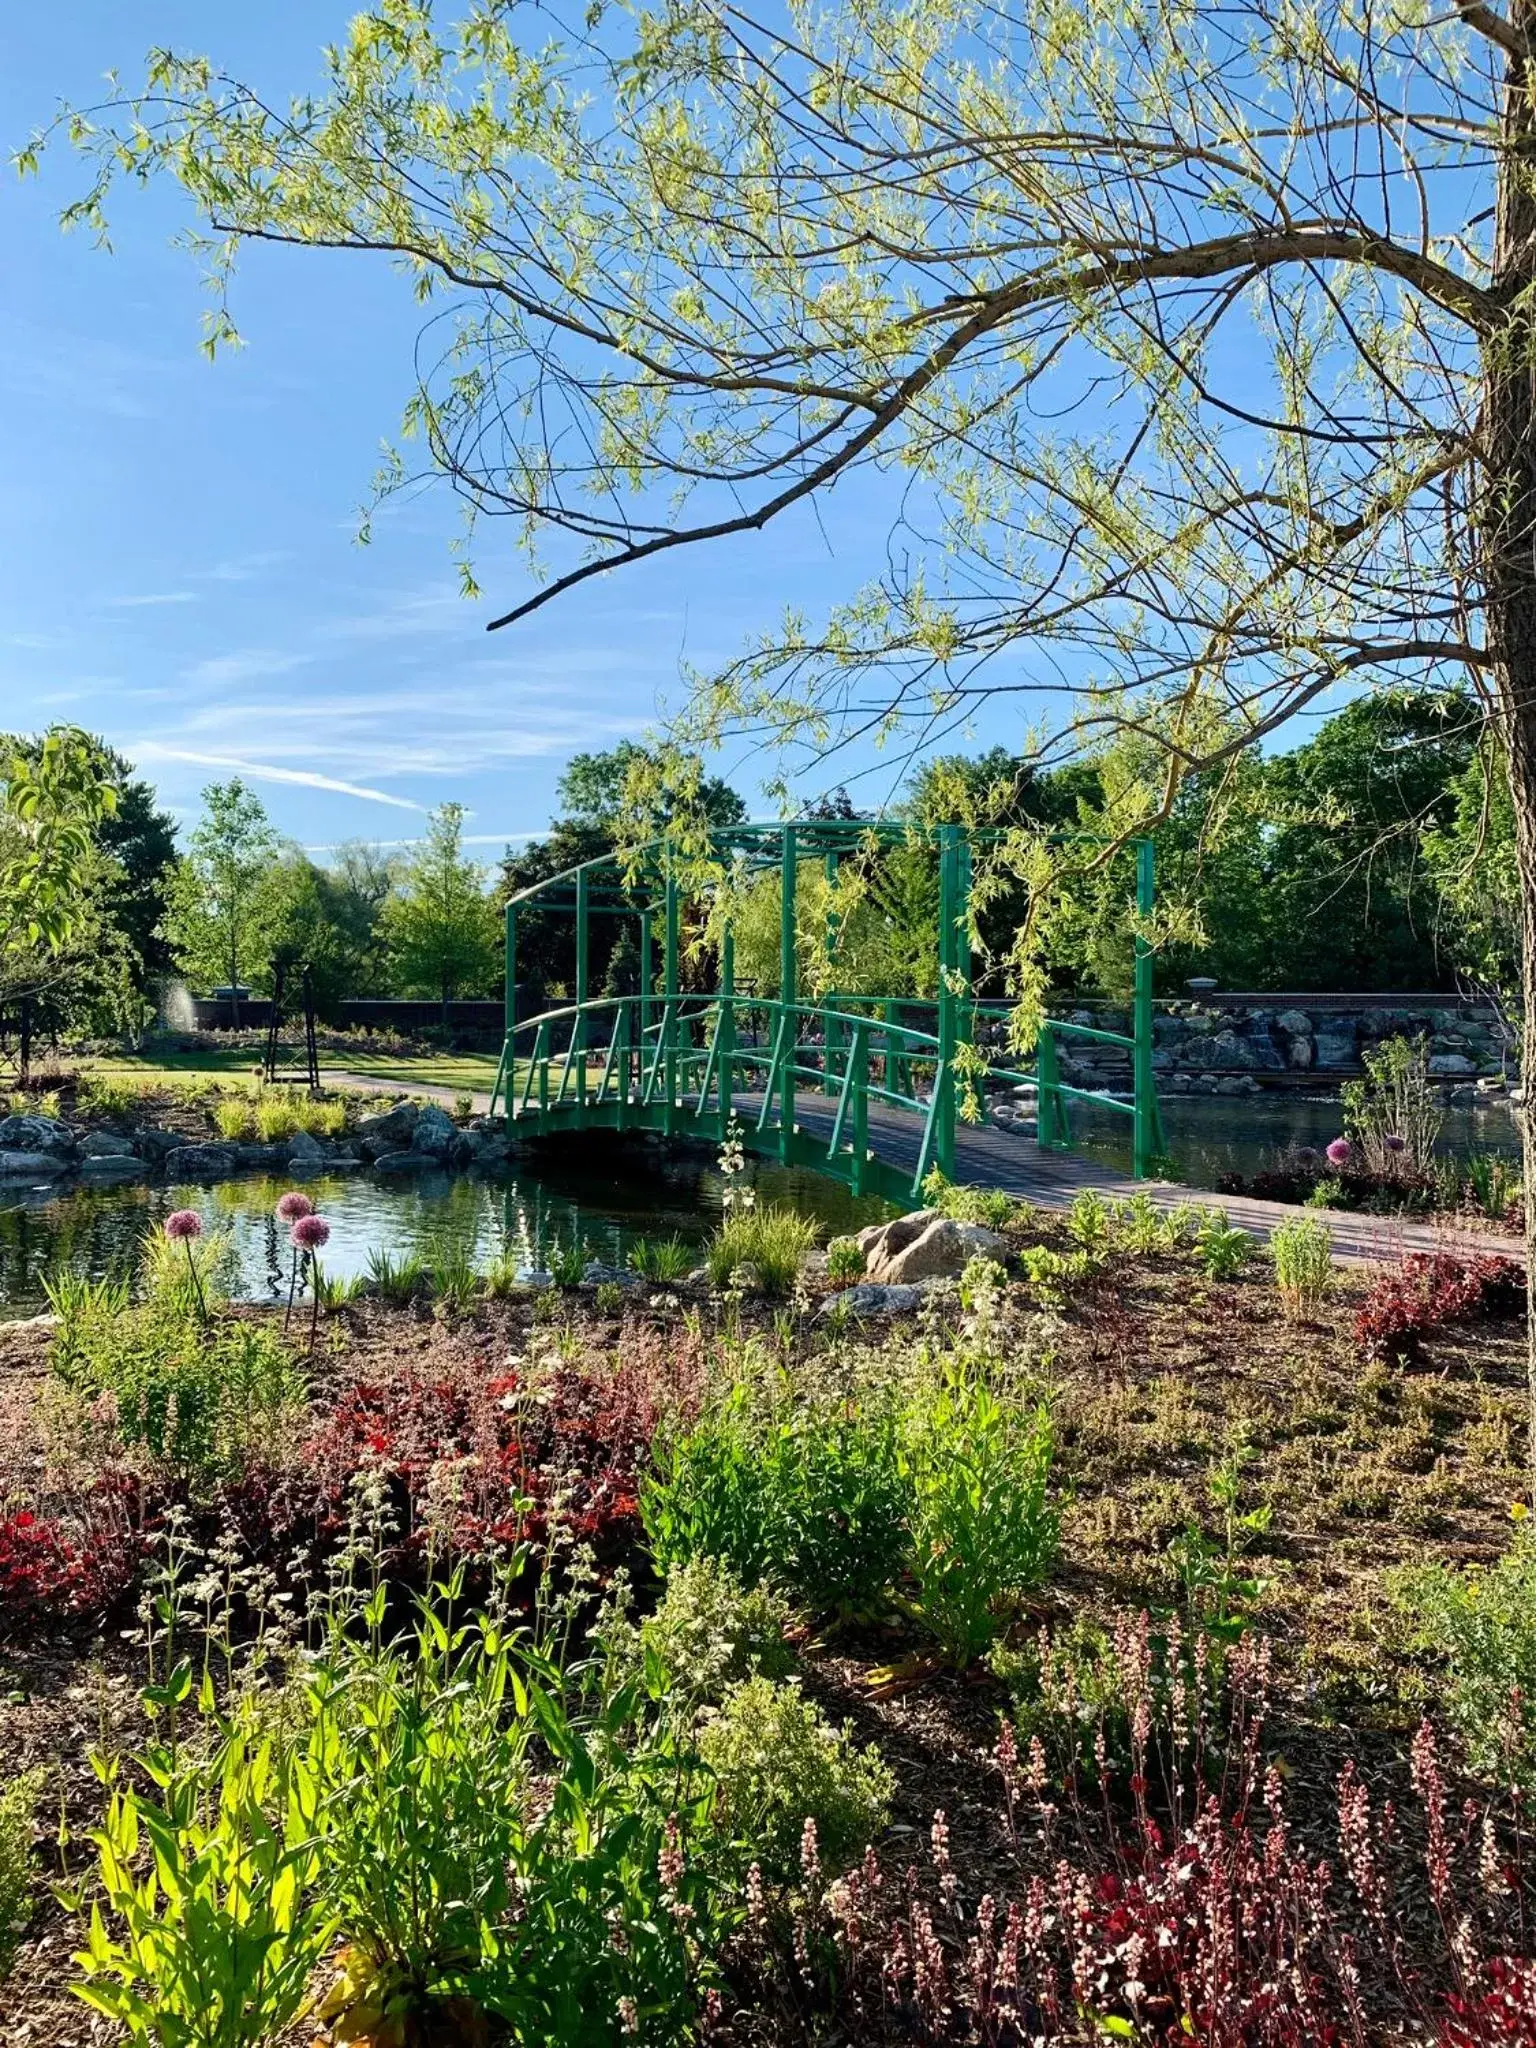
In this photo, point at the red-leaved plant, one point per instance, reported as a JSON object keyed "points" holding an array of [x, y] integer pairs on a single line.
{"points": [[1427, 1290], [1207, 1924]]}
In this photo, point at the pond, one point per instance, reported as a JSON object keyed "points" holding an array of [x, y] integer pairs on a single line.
{"points": [[602, 1195], [1212, 1135]]}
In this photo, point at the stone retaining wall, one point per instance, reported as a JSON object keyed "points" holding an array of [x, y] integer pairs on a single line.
{"points": [[1225, 1045]]}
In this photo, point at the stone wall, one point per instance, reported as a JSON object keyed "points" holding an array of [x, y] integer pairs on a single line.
{"points": [[1237, 1045]]}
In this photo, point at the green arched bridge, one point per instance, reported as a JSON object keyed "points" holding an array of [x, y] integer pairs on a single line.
{"points": [[878, 1089]]}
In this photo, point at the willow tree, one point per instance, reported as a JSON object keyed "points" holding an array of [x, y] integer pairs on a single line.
{"points": [[1191, 347]]}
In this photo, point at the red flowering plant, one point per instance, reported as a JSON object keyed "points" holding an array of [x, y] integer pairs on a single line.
{"points": [[76, 1556]]}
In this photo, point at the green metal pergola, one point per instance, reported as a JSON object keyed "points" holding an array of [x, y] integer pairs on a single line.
{"points": [[688, 1063]]}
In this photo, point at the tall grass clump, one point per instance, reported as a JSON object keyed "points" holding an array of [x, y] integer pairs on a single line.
{"points": [[1302, 1251], [661, 1258], [1484, 1625], [396, 1280], [773, 1242]]}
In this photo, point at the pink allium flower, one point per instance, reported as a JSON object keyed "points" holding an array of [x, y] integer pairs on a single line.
{"points": [[183, 1223], [293, 1205], [310, 1232], [1339, 1151], [1393, 1142]]}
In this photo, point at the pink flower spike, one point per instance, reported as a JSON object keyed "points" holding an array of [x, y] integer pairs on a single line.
{"points": [[293, 1205], [1339, 1151], [310, 1232], [182, 1223]]}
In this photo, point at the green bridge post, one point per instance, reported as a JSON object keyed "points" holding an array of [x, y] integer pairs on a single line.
{"points": [[578, 1039], [1147, 1124], [507, 1078], [669, 1008], [788, 1032], [831, 1029]]}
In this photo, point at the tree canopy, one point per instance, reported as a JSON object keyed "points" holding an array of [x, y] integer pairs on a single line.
{"points": [[441, 927]]}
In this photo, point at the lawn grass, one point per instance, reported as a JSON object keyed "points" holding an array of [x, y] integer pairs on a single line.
{"points": [[468, 1072]]}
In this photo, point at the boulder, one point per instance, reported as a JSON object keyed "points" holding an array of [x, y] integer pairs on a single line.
{"points": [[156, 1144], [1227, 1053], [105, 1145], [260, 1155], [200, 1162], [114, 1166], [35, 1134], [305, 1149], [1451, 1064], [925, 1246], [870, 1299], [393, 1126], [1294, 1023], [435, 1132], [597, 1273], [32, 1165], [410, 1161]]}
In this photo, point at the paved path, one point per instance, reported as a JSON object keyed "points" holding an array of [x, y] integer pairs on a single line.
{"points": [[988, 1157]]}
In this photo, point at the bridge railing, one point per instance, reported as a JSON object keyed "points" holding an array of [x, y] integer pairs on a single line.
{"points": [[695, 1061]]}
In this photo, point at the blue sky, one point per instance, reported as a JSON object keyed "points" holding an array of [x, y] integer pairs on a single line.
{"points": [[178, 564]]}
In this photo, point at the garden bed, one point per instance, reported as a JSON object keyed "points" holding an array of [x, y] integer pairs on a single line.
{"points": [[1239, 1474]]}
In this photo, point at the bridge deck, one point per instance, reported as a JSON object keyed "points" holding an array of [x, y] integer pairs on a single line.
{"points": [[988, 1157]]}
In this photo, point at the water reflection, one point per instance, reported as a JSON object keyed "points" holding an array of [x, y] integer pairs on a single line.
{"points": [[601, 1195], [1212, 1135]]}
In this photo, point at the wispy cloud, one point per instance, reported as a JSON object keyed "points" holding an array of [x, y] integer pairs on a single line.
{"points": [[264, 771], [119, 604], [243, 568], [245, 665]]}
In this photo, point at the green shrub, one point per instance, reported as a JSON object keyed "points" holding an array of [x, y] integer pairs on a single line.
{"points": [[1224, 1250], [166, 1268], [18, 1803], [808, 1495], [777, 1762], [773, 1242], [1492, 1181], [982, 1529], [199, 1396], [397, 1280], [501, 1275], [609, 1298], [709, 1633], [1484, 1624], [845, 1261], [661, 1258], [277, 1115], [106, 1095], [1143, 1227], [1302, 1250], [463, 1107]]}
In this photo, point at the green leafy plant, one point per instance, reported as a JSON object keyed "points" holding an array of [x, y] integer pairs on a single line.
{"points": [[772, 1241], [661, 1258], [1052, 1275], [1302, 1250], [1219, 1589], [108, 1097], [989, 1207], [1483, 1622], [1088, 1223], [1391, 1113], [463, 1107], [609, 1298], [1142, 1227], [709, 1632], [778, 1763], [335, 1291], [807, 1493], [216, 1940], [1327, 1193], [277, 1115], [845, 1261], [982, 1529], [501, 1274], [18, 1803], [201, 1397], [1224, 1250], [397, 1280]]}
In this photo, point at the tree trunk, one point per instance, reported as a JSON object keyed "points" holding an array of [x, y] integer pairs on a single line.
{"points": [[1507, 536]]}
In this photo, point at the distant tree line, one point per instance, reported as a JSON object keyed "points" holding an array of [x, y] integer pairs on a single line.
{"points": [[1378, 854]]}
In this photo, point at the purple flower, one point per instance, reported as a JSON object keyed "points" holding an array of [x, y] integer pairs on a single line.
{"points": [[1393, 1142], [293, 1205], [1339, 1151], [1308, 1157], [182, 1223], [309, 1233]]}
